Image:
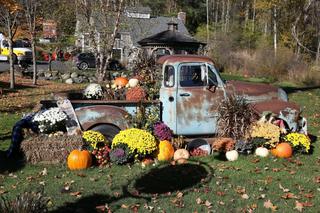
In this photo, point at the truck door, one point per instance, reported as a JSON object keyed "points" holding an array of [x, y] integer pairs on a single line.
{"points": [[197, 104]]}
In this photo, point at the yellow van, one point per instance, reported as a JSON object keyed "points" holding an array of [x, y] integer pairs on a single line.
{"points": [[21, 49]]}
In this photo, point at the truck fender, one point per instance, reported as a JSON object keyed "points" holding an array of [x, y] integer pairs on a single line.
{"points": [[91, 116]]}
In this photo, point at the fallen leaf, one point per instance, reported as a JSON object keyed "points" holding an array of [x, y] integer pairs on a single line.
{"points": [[307, 204], [124, 206], [75, 193], [208, 204], [309, 195], [44, 172], [221, 203], [42, 183], [289, 196], [81, 175], [240, 190], [219, 193], [299, 206], [317, 179], [3, 192], [179, 195], [256, 160], [198, 201], [267, 204], [283, 189], [276, 169], [245, 196]]}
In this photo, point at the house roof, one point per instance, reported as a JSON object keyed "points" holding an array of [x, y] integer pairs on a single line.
{"points": [[143, 28], [169, 37]]}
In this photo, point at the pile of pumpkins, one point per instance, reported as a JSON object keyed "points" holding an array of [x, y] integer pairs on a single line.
{"points": [[121, 82], [78, 159], [82, 159], [282, 150]]}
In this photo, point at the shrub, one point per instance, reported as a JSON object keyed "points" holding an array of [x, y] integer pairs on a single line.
{"points": [[50, 120], [235, 118], [139, 141], [27, 202], [93, 138]]}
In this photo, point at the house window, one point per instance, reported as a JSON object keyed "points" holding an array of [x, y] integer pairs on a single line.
{"points": [[190, 76], [160, 52]]}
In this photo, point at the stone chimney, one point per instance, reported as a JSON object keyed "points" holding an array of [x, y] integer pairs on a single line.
{"points": [[172, 26], [182, 16]]}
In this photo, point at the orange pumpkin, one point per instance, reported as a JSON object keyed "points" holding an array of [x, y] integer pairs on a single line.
{"points": [[166, 151], [78, 159], [282, 150], [121, 81]]}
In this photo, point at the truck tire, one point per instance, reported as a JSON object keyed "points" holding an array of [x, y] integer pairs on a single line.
{"points": [[109, 131]]}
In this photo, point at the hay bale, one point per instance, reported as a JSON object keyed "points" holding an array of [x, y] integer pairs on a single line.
{"points": [[55, 149]]}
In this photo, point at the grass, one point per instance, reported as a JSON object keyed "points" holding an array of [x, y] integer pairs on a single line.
{"points": [[202, 185]]}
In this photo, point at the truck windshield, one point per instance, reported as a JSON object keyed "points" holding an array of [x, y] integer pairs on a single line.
{"points": [[17, 43]]}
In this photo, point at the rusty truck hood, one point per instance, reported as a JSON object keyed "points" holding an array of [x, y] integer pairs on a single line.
{"points": [[252, 89], [263, 97]]}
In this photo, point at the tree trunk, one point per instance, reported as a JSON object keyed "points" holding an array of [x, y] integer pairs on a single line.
{"points": [[275, 44], [223, 13], [217, 12], [246, 14], [318, 52], [253, 15], [227, 17], [33, 45], [11, 54]]}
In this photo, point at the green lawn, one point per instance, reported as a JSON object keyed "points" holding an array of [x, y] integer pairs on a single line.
{"points": [[202, 185]]}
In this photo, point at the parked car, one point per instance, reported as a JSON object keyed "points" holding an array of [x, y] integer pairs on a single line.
{"points": [[85, 61]]}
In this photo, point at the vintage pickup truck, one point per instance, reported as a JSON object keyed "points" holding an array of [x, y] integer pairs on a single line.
{"points": [[190, 93]]}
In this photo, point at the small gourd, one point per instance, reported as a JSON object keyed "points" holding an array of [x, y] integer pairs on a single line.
{"points": [[262, 152], [232, 155], [78, 159], [133, 82], [166, 151], [181, 154]]}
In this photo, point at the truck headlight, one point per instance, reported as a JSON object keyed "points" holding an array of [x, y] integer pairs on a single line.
{"points": [[282, 95]]}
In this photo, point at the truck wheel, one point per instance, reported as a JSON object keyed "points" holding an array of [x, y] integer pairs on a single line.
{"points": [[108, 131], [83, 66]]}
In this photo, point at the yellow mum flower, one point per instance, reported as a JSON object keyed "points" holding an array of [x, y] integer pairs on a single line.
{"points": [[93, 138]]}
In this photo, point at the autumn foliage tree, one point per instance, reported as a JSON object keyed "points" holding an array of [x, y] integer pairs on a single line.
{"points": [[101, 19], [10, 13]]}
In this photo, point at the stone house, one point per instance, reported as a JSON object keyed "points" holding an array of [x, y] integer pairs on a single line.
{"points": [[137, 24]]}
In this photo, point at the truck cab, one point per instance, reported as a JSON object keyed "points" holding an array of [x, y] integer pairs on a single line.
{"points": [[190, 94], [192, 90]]}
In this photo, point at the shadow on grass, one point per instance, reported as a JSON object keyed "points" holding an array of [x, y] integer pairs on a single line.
{"points": [[12, 164], [170, 178], [157, 181]]}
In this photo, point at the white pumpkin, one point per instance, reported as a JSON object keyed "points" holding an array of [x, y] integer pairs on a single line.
{"points": [[262, 152], [181, 154], [133, 82], [232, 155]]}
